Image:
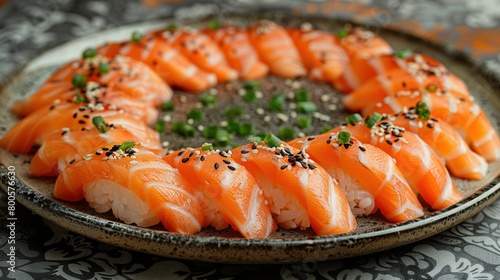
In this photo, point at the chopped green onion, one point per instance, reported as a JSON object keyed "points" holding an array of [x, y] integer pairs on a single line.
{"points": [[183, 129], [306, 107], [423, 111], [214, 24], [195, 114], [344, 137], [287, 133], [251, 85], [354, 119], [261, 135], [103, 68], [160, 126], [127, 145], [432, 88], [233, 112], [250, 96], [89, 53], [210, 131], [233, 126], [342, 33], [272, 141], [304, 122], [277, 102], [79, 80], [207, 98], [207, 147], [326, 128], [372, 120], [404, 53], [245, 129], [302, 95], [99, 123], [171, 27], [136, 37], [167, 106], [255, 139], [222, 138], [80, 99]]}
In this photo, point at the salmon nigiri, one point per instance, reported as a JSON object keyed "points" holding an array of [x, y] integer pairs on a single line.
{"points": [[368, 175], [462, 113], [320, 54], [276, 49], [99, 78], [154, 50], [418, 163], [238, 50], [136, 184], [60, 147], [460, 160], [33, 129], [201, 50], [231, 195], [359, 42], [299, 193]]}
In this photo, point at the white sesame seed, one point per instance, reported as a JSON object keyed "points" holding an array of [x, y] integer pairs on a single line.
{"points": [[133, 162], [292, 105], [332, 107], [167, 118], [296, 85], [282, 117], [201, 128], [241, 91], [190, 121], [293, 114], [301, 134], [260, 111], [259, 94], [183, 99], [223, 123], [325, 97], [165, 144], [267, 118]]}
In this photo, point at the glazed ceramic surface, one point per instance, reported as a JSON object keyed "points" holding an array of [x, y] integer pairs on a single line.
{"points": [[285, 246]]}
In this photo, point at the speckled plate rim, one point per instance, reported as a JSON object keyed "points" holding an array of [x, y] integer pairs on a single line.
{"points": [[238, 250]]}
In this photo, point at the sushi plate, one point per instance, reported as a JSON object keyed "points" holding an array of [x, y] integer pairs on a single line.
{"points": [[285, 246]]}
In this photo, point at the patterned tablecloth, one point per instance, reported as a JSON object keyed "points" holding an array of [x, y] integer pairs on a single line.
{"points": [[470, 250]]}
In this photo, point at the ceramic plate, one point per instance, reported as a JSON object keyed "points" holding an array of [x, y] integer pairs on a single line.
{"points": [[373, 234]]}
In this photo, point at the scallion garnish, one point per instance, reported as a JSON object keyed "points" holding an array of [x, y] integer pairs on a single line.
{"points": [[183, 129], [245, 129], [234, 112], [103, 68], [136, 37], [250, 96], [303, 122], [167, 106], [99, 124], [89, 53], [171, 27], [79, 80], [233, 126], [80, 99], [302, 95], [255, 139], [344, 137], [423, 111], [160, 126], [326, 128], [207, 98], [127, 145], [207, 147], [432, 88], [210, 131], [214, 24], [222, 138], [372, 120], [272, 141], [251, 85], [306, 107], [195, 114], [342, 33], [404, 53], [353, 118], [277, 103], [287, 133]]}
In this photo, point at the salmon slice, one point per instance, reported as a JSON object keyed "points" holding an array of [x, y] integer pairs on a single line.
{"points": [[463, 114], [359, 42], [154, 50], [33, 129], [230, 193], [299, 194], [276, 49], [202, 51], [366, 173], [60, 147], [129, 180], [239, 52], [396, 80], [419, 164], [125, 78]]}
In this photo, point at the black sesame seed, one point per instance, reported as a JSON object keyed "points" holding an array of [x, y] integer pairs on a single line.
{"points": [[75, 115], [98, 153], [109, 153], [64, 132], [244, 151], [180, 153], [191, 154], [430, 125], [304, 165], [363, 149], [254, 146], [184, 160], [52, 107], [312, 166], [388, 142], [231, 167], [72, 161], [287, 150], [105, 149], [216, 165], [86, 116], [81, 122], [284, 166], [226, 161], [202, 158], [222, 154], [310, 138], [328, 141]]}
